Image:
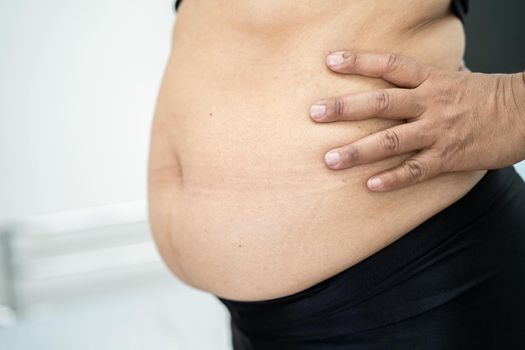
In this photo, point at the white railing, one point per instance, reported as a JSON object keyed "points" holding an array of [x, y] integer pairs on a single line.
{"points": [[74, 253]]}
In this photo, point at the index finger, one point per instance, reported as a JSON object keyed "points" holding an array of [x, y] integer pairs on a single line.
{"points": [[400, 70]]}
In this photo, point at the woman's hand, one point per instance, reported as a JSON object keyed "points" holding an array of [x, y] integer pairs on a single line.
{"points": [[456, 121]]}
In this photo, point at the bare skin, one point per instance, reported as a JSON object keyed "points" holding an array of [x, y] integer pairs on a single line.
{"points": [[457, 120], [241, 203]]}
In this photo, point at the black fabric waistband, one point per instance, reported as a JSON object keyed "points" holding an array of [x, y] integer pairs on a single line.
{"points": [[380, 271]]}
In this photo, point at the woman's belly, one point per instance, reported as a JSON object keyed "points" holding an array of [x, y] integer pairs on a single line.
{"points": [[241, 203]]}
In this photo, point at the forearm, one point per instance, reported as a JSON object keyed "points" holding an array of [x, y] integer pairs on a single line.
{"points": [[518, 85], [517, 108], [522, 96]]}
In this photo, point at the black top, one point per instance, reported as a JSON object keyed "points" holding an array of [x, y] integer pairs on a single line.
{"points": [[460, 7]]}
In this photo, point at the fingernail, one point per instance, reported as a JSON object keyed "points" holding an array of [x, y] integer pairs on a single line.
{"points": [[332, 158], [374, 183], [317, 111], [334, 59]]}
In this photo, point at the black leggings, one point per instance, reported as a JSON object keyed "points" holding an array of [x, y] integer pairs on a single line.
{"points": [[457, 281]]}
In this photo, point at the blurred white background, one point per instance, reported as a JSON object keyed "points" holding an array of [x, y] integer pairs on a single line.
{"points": [[78, 86], [78, 83]]}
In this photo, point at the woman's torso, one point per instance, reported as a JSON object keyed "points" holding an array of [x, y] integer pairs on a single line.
{"points": [[241, 203]]}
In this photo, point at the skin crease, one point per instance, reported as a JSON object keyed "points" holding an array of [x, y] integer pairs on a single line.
{"points": [[241, 204], [446, 122]]}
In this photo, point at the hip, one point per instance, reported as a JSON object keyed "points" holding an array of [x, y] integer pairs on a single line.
{"points": [[241, 203], [455, 281]]}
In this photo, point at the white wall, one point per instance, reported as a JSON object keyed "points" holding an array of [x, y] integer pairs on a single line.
{"points": [[78, 82]]}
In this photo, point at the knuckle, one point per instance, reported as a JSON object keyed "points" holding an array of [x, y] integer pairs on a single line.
{"points": [[428, 132], [339, 106], [420, 102], [350, 58], [446, 163], [419, 107], [392, 61], [353, 154], [444, 152], [390, 140], [414, 169], [382, 100]]}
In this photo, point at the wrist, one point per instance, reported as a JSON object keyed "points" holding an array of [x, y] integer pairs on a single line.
{"points": [[519, 91], [518, 95]]}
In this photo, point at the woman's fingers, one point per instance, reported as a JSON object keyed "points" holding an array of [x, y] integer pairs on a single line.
{"points": [[384, 144], [448, 127], [421, 167], [397, 69], [386, 103]]}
